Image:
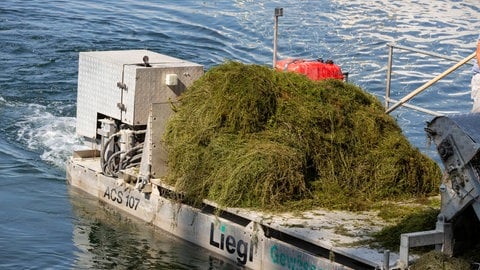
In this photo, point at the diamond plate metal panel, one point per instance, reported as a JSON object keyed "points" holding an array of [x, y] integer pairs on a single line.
{"points": [[98, 93]]}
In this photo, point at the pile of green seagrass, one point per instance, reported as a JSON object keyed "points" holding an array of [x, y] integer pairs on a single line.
{"points": [[249, 136]]}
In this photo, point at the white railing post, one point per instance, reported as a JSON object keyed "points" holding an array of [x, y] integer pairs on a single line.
{"points": [[278, 13]]}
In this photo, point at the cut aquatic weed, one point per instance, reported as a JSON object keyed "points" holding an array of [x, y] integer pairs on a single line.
{"points": [[249, 136], [418, 220], [434, 260]]}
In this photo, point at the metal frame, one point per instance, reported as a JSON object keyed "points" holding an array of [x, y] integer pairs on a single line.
{"points": [[402, 102]]}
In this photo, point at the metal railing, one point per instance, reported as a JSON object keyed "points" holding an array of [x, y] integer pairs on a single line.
{"points": [[402, 101]]}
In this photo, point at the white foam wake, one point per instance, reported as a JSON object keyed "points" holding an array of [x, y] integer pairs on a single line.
{"points": [[52, 136]]}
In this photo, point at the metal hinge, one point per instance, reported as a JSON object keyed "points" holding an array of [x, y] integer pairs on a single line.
{"points": [[122, 86], [122, 107]]}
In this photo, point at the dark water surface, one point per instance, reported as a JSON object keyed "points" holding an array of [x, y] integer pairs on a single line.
{"points": [[44, 224]]}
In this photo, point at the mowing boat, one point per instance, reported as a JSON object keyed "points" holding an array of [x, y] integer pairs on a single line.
{"points": [[124, 101], [122, 108]]}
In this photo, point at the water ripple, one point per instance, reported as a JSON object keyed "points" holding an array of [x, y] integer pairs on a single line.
{"points": [[40, 42]]}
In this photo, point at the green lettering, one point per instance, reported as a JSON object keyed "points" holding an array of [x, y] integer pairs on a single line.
{"points": [[273, 254]]}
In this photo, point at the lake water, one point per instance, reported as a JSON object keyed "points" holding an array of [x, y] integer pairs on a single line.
{"points": [[44, 224]]}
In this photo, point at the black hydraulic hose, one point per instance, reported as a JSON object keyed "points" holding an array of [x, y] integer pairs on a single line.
{"points": [[134, 149], [110, 168], [135, 158], [129, 155], [109, 163], [134, 152], [104, 149], [131, 165]]}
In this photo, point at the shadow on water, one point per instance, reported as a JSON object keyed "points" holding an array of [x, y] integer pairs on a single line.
{"points": [[107, 239]]}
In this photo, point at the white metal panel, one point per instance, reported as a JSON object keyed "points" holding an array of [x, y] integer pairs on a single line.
{"points": [[96, 92]]}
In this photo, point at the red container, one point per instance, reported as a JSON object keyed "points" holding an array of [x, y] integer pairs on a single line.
{"points": [[313, 69]]}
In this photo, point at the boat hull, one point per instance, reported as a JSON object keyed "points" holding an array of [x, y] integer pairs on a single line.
{"points": [[246, 242]]}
